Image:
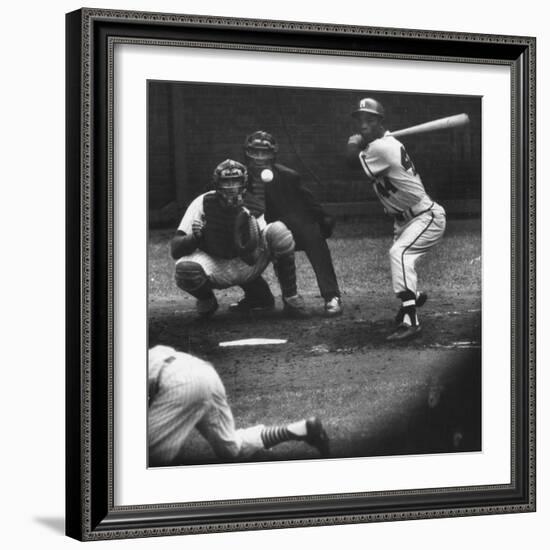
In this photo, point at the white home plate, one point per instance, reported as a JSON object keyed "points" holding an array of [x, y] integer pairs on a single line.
{"points": [[252, 342]]}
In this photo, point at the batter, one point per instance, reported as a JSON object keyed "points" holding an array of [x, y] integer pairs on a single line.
{"points": [[419, 222]]}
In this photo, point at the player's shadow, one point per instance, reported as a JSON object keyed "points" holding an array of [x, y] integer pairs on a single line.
{"points": [[446, 417], [56, 524]]}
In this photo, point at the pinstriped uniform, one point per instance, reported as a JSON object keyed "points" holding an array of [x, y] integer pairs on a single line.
{"points": [[419, 221], [185, 393]]}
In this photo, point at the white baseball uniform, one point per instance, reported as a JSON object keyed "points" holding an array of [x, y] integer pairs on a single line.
{"points": [[221, 272], [185, 392], [419, 221]]}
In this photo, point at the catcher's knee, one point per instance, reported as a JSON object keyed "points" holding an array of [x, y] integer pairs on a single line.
{"points": [[279, 239], [190, 276]]}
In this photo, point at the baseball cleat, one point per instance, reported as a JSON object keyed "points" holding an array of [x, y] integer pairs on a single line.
{"points": [[317, 436], [207, 307], [404, 332], [421, 299], [246, 305], [333, 307], [295, 307]]}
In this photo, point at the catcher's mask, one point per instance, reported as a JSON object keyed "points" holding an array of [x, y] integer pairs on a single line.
{"points": [[260, 147], [230, 179]]}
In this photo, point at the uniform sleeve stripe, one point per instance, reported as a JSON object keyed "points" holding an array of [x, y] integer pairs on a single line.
{"points": [[364, 163]]}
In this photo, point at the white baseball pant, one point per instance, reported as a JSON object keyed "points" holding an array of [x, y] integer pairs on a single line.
{"points": [[276, 240], [412, 239]]}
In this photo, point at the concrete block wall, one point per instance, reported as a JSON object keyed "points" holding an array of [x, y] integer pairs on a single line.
{"points": [[194, 126]]}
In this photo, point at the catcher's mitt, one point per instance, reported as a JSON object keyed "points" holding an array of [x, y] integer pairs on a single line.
{"points": [[246, 237]]}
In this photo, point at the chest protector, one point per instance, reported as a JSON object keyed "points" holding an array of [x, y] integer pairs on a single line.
{"points": [[220, 221]]}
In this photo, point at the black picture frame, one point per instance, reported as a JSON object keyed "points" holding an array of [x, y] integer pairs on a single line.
{"points": [[90, 512]]}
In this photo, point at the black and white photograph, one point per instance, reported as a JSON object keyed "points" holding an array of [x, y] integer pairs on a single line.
{"points": [[314, 273], [155, 401], [300, 274]]}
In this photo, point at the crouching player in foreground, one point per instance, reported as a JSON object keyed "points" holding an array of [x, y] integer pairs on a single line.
{"points": [[223, 241], [185, 392]]}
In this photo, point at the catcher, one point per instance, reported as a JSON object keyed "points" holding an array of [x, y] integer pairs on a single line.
{"points": [[223, 240]]}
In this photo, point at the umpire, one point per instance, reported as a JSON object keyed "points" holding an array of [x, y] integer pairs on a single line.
{"points": [[287, 199]]}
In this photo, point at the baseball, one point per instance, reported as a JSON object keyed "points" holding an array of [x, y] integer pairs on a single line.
{"points": [[266, 175]]}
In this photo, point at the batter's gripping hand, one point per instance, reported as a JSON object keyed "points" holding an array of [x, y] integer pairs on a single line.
{"points": [[357, 140], [246, 237]]}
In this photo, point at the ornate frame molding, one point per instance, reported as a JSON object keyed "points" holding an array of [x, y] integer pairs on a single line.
{"points": [[91, 36]]}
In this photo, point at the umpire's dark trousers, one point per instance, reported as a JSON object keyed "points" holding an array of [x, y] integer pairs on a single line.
{"points": [[309, 239]]}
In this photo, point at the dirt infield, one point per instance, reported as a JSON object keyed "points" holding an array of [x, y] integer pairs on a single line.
{"points": [[423, 396]]}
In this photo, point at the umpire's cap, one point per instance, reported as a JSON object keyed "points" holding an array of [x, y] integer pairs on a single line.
{"points": [[261, 140], [369, 105]]}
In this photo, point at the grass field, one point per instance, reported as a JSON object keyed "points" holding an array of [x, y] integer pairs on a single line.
{"points": [[375, 398], [360, 255]]}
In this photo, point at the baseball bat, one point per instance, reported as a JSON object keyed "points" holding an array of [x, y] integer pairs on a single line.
{"points": [[455, 121]]}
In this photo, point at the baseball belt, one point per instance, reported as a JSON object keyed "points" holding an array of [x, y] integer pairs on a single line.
{"points": [[413, 212]]}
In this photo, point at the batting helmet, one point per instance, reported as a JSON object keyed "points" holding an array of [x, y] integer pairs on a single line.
{"points": [[369, 105], [260, 146], [230, 181]]}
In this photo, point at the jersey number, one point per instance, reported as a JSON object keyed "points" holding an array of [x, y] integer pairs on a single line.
{"points": [[406, 161], [384, 186]]}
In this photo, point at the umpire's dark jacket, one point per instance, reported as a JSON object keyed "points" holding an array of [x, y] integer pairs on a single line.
{"points": [[288, 200]]}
